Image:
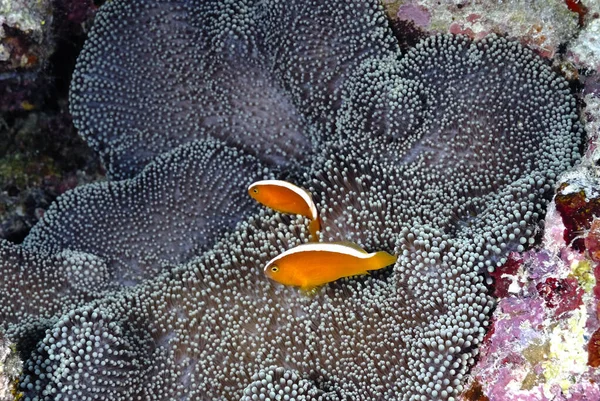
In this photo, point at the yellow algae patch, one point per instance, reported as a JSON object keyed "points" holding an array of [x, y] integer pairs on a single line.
{"points": [[583, 272], [567, 357], [530, 381], [25, 105], [535, 354], [10, 370], [14, 390]]}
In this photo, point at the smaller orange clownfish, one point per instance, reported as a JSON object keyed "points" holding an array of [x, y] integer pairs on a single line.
{"points": [[309, 266], [285, 197]]}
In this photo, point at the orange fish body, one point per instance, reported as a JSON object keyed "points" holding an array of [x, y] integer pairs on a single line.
{"points": [[285, 197], [311, 265]]}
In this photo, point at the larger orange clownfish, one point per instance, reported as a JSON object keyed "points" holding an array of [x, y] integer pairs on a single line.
{"points": [[286, 197], [309, 266]]}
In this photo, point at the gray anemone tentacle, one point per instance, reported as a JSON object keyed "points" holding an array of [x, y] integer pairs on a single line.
{"points": [[445, 156]]}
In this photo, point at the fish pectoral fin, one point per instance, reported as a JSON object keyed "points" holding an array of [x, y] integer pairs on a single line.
{"points": [[310, 291], [313, 228]]}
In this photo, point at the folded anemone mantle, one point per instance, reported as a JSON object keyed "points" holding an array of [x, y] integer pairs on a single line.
{"points": [[151, 287]]}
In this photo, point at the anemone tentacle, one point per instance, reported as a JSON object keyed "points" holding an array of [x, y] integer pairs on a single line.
{"points": [[445, 156]]}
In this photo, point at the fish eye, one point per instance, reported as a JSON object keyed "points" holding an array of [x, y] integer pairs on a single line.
{"points": [[255, 190], [274, 269]]}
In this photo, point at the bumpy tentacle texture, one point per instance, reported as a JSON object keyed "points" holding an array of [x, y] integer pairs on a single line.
{"points": [[170, 212], [204, 330], [278, 383], [445, 156], [164, 73], [313, 47], [36, 286], [476, 124], [229, 70], [131, 229]]}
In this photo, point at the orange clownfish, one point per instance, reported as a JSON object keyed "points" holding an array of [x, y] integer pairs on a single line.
{"points": [[311, 265], [285, 197]]}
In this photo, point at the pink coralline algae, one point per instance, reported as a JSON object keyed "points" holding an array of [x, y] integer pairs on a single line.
{"points": [[594, 350], [504, 275], [542, 25], [544, 343], [577, 208], [562, 294], [415, 14]]}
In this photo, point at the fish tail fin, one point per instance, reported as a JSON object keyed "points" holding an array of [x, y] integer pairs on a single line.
{"points": [[383, 259], [313, 228]]}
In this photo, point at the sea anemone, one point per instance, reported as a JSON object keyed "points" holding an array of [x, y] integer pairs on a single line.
{"points": [[445, 156]]}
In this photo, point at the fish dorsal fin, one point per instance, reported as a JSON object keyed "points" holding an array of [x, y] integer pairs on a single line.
{"points": [[351, 245]]}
